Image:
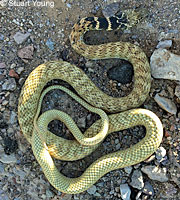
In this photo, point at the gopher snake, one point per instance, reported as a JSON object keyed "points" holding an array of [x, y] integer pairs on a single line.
{"points": [[45, 144]]}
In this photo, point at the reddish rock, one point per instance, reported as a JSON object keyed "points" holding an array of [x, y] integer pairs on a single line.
{"points": [[167, 134], [13, 74]]}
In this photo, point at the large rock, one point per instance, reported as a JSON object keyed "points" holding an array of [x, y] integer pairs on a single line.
{"points": [[165, 65], [155, 173], [123, 74]]}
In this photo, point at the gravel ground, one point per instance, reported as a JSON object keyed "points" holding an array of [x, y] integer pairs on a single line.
{"points": [[32, 34]]}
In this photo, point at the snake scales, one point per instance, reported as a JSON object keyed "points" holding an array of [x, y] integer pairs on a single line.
{"points": [[45, 144]]}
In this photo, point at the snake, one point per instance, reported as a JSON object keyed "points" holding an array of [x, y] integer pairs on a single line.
{"points": [[116, 113]]}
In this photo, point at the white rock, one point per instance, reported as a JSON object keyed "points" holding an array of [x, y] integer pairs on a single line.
{"points": [[20, 37], [92, 190], [20, 70], [4, 158], [164, 44], [165, 65], [68, 5], [125, 191], [166, 104], [155, 173]]}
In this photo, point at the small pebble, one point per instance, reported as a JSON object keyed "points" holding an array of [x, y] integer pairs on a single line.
{"points": [[21, 37], [13, 117], [128, 169], [21, 81], [26, 53], [50, 44], [7, 159], [148, 189], [92, 190], [118, 146], [9, 84], [2, 65], [5, 102], [116, 141], [49, 194], [1, 37], [166, 104], [20, 70], [125, 191], [164, 44], [97, 194], [160, 153], [68, 5], [137, 180], [13, 65], [117, 189], [82, 122], [101, 184]]}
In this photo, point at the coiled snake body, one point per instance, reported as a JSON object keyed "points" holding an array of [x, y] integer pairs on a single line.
{"points": [[45, 144]]}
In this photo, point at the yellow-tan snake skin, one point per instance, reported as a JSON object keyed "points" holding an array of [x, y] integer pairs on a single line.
{"points": [[46, 145]]}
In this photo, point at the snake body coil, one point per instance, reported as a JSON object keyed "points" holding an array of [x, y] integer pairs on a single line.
{"points": [[45, 144]]}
